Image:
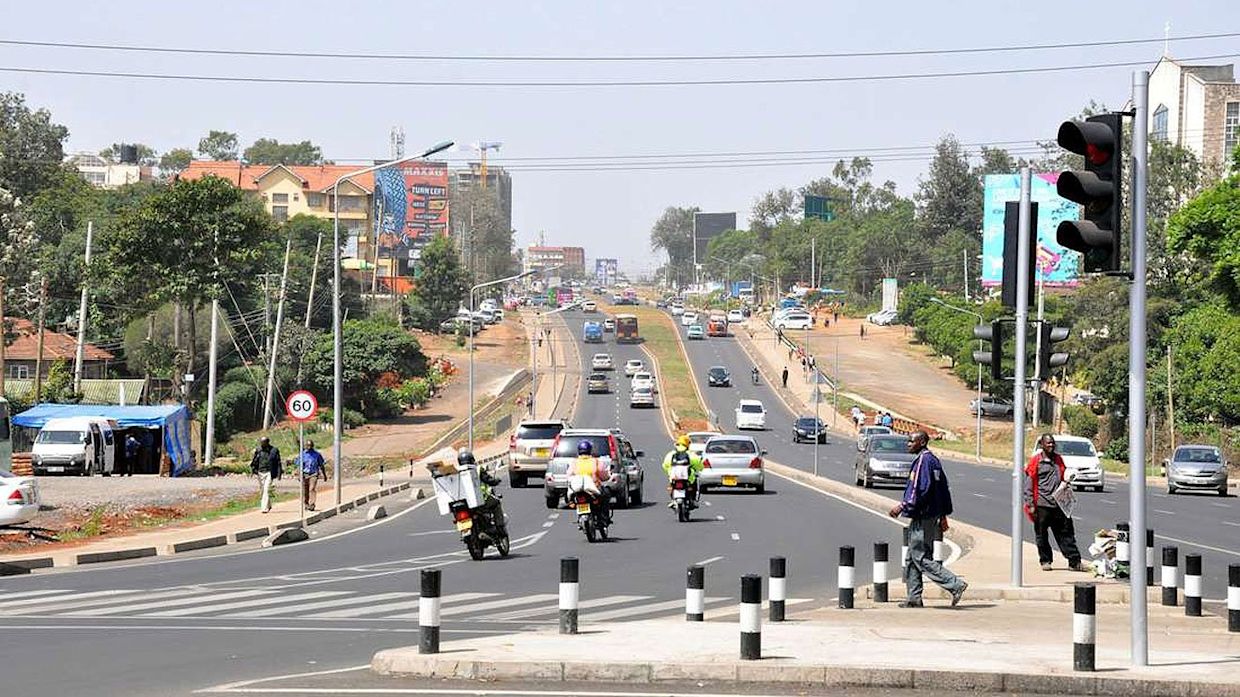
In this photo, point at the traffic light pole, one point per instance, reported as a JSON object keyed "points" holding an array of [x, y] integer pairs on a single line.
{"points": [[1136, 373], [1018, 387]]}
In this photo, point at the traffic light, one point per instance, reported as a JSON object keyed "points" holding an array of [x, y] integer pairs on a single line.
{"points": [[993, 334], [1048, 359], [1098, 189]]}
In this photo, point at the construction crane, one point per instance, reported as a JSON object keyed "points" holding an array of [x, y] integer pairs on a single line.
{"points": [[482, 147]]}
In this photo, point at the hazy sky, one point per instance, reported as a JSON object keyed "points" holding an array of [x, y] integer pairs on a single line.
{"points": [[609, 213]]}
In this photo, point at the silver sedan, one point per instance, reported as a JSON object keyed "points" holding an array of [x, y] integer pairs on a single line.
{"points": [[733, 461]]}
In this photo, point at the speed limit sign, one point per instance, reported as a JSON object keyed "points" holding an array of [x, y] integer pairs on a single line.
{"points": [[301, 406]]}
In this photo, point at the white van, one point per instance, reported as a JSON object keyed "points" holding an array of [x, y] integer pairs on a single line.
{"points": [[76, 444]]}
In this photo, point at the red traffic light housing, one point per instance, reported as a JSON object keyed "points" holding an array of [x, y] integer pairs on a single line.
{"points": [[1099, 190]]}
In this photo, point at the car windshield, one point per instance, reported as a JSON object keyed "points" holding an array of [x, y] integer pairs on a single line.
{"points": [[700, 438], [1075, 448], [751, 408], [730, 446], [602, 357], [890, 444], [60, 437], [538, 431], [718, 372], [642, 391], [808, 423], [567, 446], [1196, 455], [873, 430], [597, 376]]}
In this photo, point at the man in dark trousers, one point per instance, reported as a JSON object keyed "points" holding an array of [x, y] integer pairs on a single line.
{"points": [[266, 466], [927, 502], [783, 377], [1044, 474]]}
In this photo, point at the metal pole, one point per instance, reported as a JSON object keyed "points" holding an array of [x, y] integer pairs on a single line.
{"points": [[979, 407], [1038, 377], [1136, 369], [470, 330], [835, 384], [275, 340], [534, 371], [80, 356], [314, 277], [817, 423], [301, 471], [1022, 330], [213, 359], [964, 253], [337, 350]]}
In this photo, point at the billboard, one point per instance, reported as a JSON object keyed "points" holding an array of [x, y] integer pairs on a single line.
{"points": [[707, 226], [410, 208], [606, 270], [1056, 265]]}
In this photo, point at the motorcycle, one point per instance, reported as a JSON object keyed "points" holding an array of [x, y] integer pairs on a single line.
{"points": [[754, 376], [459, 493], [590, 519], [682, 499], [478, 530]]}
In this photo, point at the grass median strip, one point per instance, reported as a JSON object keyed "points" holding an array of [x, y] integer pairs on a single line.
{"points": [[676, 382]]}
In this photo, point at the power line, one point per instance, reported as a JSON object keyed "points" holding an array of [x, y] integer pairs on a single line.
{"points": [[607, 58], [722, 82]]}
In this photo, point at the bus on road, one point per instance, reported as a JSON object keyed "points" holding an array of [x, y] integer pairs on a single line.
{"points": [[626, 329]]}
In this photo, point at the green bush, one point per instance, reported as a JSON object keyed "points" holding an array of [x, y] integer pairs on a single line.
{"points": [[353, 419], [415, 392], [235, 408], [1081, 421], [384, 404], [1117, 449], [246, 374]]}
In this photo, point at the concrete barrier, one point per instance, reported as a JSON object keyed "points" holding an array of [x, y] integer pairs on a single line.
{"points": [[204, 543], [376, 512], [116, 555], [286, 536], [251, 534]]}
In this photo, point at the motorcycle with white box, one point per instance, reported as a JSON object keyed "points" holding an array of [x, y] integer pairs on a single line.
{"points": [[458, 491]]}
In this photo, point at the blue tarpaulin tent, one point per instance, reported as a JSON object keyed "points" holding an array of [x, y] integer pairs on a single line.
{"points": [[173, 419]]}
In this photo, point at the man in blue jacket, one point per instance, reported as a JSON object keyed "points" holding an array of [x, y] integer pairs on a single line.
{"points": [[927, 502]]}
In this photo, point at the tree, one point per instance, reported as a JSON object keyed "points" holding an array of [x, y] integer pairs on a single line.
{"points": [[17, 245], [442, 284], [673, 234], [1207, 363], [485, 237], [726, 250], [1208, 228], [373, 350], [219, 145], [773, 208], [950, 196], [146, 154], [269, 151], [175, 160], [31, 146]]}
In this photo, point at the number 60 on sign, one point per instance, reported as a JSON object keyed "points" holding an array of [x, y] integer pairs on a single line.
{"points": [[301, 406]]}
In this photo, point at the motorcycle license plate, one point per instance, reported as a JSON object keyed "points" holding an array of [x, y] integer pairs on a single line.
{"points": [[678, 494], [463, 525], [583, 508], [729, 481]]}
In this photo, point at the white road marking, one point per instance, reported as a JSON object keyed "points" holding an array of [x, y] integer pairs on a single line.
{"points": [[704, 562], [706, 502], [646, 609], [719, 517], [74, 596], [736, 537], [333, 603], [30, 594], [177, 598], [1228, 522], [408, 604], [1107, 501], [1221, 505], [286, 600], [1231, 552], [420, 534], [553, 516], [980, 496], [502, 603], [988, 479], [548, 524], [532, 612], [1159, 510]]}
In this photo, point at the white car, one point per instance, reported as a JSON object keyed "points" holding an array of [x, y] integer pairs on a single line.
{"points": [[589, 306], [678, 310], [19, 498], [633, 367], [697, 440], [882, 318], [641, 397], [794, 320], [642, 380], [1081, 464], [602, 361], [751, 414], [689, 318], [735, 316]]}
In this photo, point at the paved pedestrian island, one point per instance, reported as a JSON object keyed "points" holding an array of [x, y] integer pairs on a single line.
{"points": [[1013, 646]]}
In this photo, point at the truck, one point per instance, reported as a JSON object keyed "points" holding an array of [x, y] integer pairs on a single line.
{"points": [[592, 333], [742, 290]]}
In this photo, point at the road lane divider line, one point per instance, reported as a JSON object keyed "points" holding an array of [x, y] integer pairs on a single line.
{"points": [[736, 537], [548, 524], [704, 562]]}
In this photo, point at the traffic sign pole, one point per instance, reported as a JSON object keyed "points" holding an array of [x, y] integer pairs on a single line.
{"points": [[302, 406]]}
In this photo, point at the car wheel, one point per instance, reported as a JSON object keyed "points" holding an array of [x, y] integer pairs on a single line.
{"points": [[761, 488], [1171, 488], [869, 483], [1222, 490], [552, 501], [622, 498], [638, 496], [1098, 488], [856, 477]]}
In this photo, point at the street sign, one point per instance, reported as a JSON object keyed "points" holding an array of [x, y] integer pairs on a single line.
{"points": [[301, 406]]}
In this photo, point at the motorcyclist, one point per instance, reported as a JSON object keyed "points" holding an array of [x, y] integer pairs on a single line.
{"points": [[593, 475], [754, 374], [491, 506], [680, 455]]}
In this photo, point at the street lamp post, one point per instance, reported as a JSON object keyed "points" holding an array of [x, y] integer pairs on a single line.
{"points": [[980, 319], [337, 337], [472, 332]]}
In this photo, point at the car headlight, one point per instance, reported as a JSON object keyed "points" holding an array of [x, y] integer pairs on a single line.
{"points": [[77, 459]]}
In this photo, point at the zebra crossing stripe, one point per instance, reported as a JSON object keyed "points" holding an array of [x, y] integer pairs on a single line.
{"points": [[18, 606], [409, 603], [554, 609], [322, 604], [646, 609], [180, 599], [30, 594], [482, 607], [283, 598]]}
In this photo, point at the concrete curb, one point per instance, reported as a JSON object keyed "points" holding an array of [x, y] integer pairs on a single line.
{"points": [[402, 662], [243, 535], [286, 536], [191, 545], [115, 555]]}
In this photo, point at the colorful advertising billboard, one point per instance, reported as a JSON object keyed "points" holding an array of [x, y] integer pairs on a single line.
{"points": [[606, 270], [1057, 265], [411, 207]]}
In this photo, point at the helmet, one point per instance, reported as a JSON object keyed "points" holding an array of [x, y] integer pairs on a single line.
{"points": [[465, 458], [585, 447], [683, 441]]}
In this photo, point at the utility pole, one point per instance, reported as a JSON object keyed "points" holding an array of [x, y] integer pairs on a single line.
{"points": [[964, 253], [80, 356], [1170, 403], [3, 338], [1136, 373], [213, 355], [1037, 372], [275, 339], [266, 314], [1018, 387], [314, 276], [38, 362], [374, 273]]}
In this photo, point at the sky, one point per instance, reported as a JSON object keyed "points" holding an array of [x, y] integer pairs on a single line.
{"points": [[575, 201]]}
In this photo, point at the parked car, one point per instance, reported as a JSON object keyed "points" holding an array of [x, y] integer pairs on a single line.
{"points": [[529, 449], [696, 332], [602, 361], [866, 431], [641, 397], [19, 499], [451, 325], [735, 316], [794, 320], [882, 318], [993, 406], [609, 325], [751, 414], [733, 461], [626, 484], [643, 379], [1196, 467], [633, 366], [83, 445], [718, 376], [1082, 466], [688, 319], [598, 382], [808, 429], [885, 459]]}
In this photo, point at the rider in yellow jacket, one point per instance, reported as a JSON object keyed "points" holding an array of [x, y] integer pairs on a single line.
{"points": [[681, 455]]}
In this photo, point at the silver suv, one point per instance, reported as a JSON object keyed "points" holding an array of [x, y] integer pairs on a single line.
{"points": [[529, 449], [627, 482]]}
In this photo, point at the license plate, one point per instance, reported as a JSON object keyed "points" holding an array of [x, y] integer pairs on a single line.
{"points": [[678, 494], [729, 481], [55, 469], [542, 452], [583, 508], [463, 525]]}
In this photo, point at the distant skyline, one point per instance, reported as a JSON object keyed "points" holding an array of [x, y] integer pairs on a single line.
{"points": [[578, 201]]}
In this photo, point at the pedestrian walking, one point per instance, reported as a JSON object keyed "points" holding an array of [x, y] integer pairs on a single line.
{"points": [[266, 466], [310, 465], [1044, 479], [862, 325], [888, 421], [132, 448], [835, 316], [783, 377], [856, 416], [927, 503]]}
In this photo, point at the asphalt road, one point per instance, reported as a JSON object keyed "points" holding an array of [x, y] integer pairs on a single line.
{"points": [[1199, 523], [171, 627]]}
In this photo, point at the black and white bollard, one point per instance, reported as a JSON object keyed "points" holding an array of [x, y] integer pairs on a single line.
{"points": [[880, 572], [570, 594], [695, 594], [1121, 544], [1233, 597], [1170, 570], [938, 545], [380, 475], [751, 617], [904, 551], [1149, 557], [428, 612], [847, 576], [1192, 585], [777, 588], [1084, 627]]}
